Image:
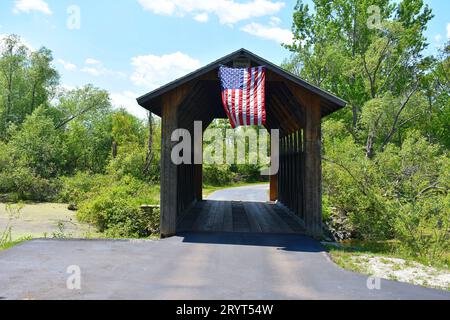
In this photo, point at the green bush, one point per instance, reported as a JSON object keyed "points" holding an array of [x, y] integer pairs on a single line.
{"points": [[217, 175], [38, 145], [21, 183], [352, 184], [76, 188], [422, 201], [128, 164], [423, 228], [248, 173], [222, 175], [401, 194], [115, 209]]}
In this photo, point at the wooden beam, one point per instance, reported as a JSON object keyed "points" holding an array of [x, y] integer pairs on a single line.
{"points": [[169, 171], [291, 103], [313, 166], [274, 187]]}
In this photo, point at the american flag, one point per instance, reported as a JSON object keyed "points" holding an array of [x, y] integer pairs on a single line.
{"points": [[243, 95]]}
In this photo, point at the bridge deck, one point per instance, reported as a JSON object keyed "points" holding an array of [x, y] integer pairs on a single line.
{"points": [[237, 216]]}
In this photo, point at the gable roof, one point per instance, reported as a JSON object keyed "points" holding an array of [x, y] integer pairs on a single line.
{"points": [[147, 99]]}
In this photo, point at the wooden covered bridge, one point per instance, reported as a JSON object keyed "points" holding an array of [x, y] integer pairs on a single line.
{"points": [[294, 106]]}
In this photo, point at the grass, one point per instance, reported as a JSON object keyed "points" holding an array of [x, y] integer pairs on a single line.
{"points": [[9, 245], [344, 254], [378, 257], [209, 189], [389, 249]]}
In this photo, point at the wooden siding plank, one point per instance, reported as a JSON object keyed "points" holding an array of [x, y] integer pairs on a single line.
{"points": [[251, 214], [211, 216], [228, 217], [202, 219], [240, 219], [219, 216], [262, 219], [280, 224]]}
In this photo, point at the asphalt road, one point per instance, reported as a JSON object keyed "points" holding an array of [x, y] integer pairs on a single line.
{"points": [[256, 193], [193, 266], [190, 266]]}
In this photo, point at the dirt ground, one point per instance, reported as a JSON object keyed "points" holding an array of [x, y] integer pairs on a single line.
{"points": [[45, 220]]}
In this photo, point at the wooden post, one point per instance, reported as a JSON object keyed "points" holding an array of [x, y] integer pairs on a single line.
{"points": [[198, 182], [169, 171], [274, 187], [312, 159], [198, 161], [313, 166]]}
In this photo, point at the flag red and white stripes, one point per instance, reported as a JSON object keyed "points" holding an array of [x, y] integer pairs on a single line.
{"points": [[243, 95]]}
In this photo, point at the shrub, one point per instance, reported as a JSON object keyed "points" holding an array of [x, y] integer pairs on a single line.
{"points": [[217, 175], [76, 188], [422, 200], [21, 183], [423, 228], [351, 182], [128, 164], [115, 209], [249, 173], [400, 194], [38, 145]]}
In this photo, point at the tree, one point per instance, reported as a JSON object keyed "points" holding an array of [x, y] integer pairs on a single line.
{"points": [[388, 178], [12, 64], [437, 95], [85, 117], [87, 104], [338, 48], [27, 80], [150, 152], [43, 78], [38, 145]]}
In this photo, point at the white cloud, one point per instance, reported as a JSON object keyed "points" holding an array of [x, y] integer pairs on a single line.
{"points": [[127, 100], [92, 71], [67, 65], [448, 31], [97, 69], [32, 5], [92, 61], [438, 38], [276, 34], [151, 71], [274, 21], [201, 17], [227, 11]]}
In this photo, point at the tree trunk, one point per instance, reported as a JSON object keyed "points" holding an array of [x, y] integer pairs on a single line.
{"points": [[149, 157], [369, 146], [33, 98], [114, 150]]}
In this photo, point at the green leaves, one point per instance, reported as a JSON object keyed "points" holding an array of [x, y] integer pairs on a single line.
{"points": [[27, 80], [401, 193], [38, 145], [115, 209], [338, 49]]}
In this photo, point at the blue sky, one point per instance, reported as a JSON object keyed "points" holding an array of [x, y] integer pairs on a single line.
{"points": [[130, 47]]}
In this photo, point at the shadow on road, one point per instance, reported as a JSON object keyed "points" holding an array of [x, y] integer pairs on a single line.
{"points": [[286, 242]]}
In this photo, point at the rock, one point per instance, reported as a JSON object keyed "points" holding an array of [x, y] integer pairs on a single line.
{"points": [[72, 207]]}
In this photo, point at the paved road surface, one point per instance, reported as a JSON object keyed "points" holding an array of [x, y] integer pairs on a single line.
{"points": [[190, 266], [194, 266], [252, 193]]}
